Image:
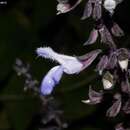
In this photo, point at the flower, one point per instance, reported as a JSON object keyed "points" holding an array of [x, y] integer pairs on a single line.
{"points": [[94, 97], [64, 6], [115, 108], [102, 64], [104, 34], [123, 57], [94, 8], [118, 57], [68, 65]]}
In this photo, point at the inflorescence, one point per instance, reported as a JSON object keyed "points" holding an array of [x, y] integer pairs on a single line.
{"points": [[112, 67]]}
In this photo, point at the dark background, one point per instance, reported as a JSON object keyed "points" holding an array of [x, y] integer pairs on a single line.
{"points": [[28, 24]]}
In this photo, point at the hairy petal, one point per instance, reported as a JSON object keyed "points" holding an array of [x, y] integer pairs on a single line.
{"points": [[46, 52], [92, 38], [70, 64], [51, 79]]}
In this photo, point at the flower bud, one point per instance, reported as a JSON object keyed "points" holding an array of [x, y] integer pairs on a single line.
{"points": [[94, 97], [123, 59], [110, 5], [107, 80]]}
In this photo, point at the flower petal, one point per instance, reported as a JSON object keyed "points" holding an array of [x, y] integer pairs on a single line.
{"points": [[102, 64], [97, 11], [116, 30], [125, 86], [45, 52], [92, 38], [70, 64], [107, 80], [88, 58], [112, 61], [119, 127], [115, 108], [106, 37], [51, 79], [126, 107], [94, 97], [87, 11]]}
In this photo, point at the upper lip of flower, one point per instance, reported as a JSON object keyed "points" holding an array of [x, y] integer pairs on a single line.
{"points": [[70, 64]]}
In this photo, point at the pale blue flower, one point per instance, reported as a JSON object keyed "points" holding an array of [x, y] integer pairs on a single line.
{"points": [[68, 65]]}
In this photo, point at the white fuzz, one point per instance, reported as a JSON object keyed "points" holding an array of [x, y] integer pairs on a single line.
{"points": [[62, 8], [70, 64]]}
